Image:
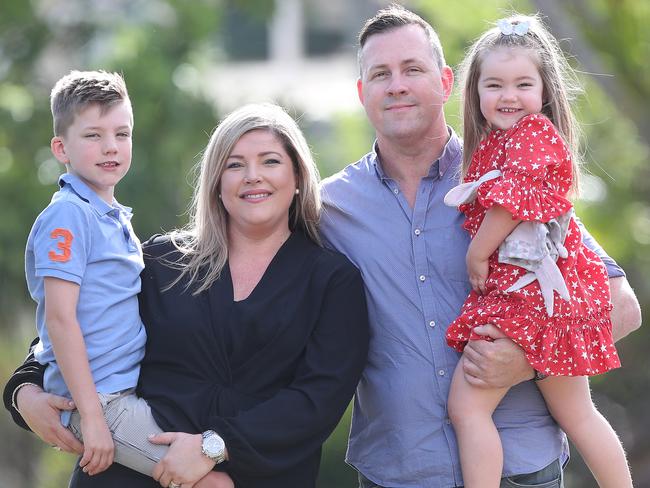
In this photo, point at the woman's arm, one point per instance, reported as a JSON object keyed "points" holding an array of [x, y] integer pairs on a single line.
{"points": [[37, 410]]}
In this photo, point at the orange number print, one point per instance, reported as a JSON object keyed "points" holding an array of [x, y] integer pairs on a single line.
{"points": [[63, 246]]}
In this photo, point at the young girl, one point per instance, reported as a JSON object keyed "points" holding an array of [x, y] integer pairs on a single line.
{"points": [[530, 274]]}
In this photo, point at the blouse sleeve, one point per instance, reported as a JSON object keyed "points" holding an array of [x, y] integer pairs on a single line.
{"points": [[31, 371], [280, 432], [534, 151]]}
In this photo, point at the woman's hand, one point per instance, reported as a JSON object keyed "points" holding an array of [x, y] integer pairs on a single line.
{"points": [[42, 413], [184, 463]]}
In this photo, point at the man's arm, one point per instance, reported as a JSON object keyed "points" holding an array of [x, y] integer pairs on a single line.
{"points": [[502, 363], [626, 312]]}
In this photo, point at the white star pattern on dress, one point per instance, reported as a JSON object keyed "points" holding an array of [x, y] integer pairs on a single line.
{"points": [[536, 176]]}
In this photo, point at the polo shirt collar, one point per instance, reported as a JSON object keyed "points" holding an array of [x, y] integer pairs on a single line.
{"points": [[86, 193], [448, 158]]}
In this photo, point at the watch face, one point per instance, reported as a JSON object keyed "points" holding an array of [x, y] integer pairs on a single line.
{"points": [[213, 445]]}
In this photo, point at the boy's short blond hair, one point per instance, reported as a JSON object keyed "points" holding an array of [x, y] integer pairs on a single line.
{"points": [[78, 89]]}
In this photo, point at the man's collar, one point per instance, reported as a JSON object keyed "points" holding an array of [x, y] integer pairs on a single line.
{"points": [[449, 157]]}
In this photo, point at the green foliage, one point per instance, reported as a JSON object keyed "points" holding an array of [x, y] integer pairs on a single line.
{"points": [[166, 50], [153, 50]]}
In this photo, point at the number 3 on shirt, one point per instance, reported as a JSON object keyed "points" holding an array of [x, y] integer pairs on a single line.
{"points": [[63, 245]]}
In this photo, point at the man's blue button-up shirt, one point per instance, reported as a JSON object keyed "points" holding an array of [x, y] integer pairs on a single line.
{"points": [[413, 265]]}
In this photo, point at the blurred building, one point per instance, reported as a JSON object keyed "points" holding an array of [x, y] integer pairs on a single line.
{"points": [[303, 55]]}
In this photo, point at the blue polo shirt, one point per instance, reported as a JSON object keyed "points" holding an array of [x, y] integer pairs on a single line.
{"points": [[413, 265], [81, 238]]}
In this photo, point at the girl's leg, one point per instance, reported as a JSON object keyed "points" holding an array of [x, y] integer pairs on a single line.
{"points": [[569, 400], [470, 411]]}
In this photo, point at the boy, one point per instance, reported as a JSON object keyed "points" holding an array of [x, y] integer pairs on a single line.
{"points": [[83, 264]]}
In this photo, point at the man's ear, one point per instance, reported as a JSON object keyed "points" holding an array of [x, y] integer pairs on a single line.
{"points": [[57, 145], [360, 90], [447, 76]]}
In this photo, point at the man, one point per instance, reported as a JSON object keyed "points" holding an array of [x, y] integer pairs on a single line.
{"points": [[386, 213]]}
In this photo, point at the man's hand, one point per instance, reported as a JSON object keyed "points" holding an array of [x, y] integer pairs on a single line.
{"points": [[497, 364], [42, 413]]}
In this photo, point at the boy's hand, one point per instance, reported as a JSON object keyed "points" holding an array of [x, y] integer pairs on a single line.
{"points": [[478, 270], [98, 444]]}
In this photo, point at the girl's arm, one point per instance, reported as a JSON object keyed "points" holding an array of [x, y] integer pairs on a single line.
{"points": [[496, 226], [61, 299]]}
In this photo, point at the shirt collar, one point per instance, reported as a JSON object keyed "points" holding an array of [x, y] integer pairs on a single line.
{"points": [[84, 192], [447, 159]]}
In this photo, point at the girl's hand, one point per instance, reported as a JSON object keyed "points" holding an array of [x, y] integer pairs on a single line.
{"points": [[98, 444], [215, 479], [42, 413], [184, 463], [478, 270]]}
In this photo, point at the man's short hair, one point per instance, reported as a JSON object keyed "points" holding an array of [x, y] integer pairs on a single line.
{"points": [[79, 89], [395, 16]]}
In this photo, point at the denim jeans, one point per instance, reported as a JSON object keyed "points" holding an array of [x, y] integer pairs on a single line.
{"points": [[549, 477]]}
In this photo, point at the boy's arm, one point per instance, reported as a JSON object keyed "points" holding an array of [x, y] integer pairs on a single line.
{"points": [[496, 226], [61, 299]]}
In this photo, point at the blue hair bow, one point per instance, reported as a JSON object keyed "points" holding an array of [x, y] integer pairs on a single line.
{"points": [[508, 28]]}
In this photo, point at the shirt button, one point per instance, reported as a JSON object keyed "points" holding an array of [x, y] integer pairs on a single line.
{"points": [[422, 278], [417, 232], [432, 323], [441, 372], [396, 191]]}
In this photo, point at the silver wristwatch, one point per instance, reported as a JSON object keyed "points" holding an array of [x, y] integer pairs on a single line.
{"points": [[213, 446]]}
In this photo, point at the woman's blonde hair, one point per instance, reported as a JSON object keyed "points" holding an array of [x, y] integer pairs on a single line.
{"points": [[203, 242], [559, 80]]}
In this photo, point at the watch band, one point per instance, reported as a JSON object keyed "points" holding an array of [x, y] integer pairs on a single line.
{"points": [[219, 456]]}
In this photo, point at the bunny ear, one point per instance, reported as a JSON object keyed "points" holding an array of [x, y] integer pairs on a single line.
{"points": [[463, 193], [466, 192]]}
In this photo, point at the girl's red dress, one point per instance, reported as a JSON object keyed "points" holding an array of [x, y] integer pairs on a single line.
{"points": [[536, 176]]}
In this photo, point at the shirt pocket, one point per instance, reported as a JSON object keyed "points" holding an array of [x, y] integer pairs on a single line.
{"points": [[446, 252]]}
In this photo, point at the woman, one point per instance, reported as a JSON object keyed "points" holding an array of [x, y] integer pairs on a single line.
{"points": [[255, 332]]}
